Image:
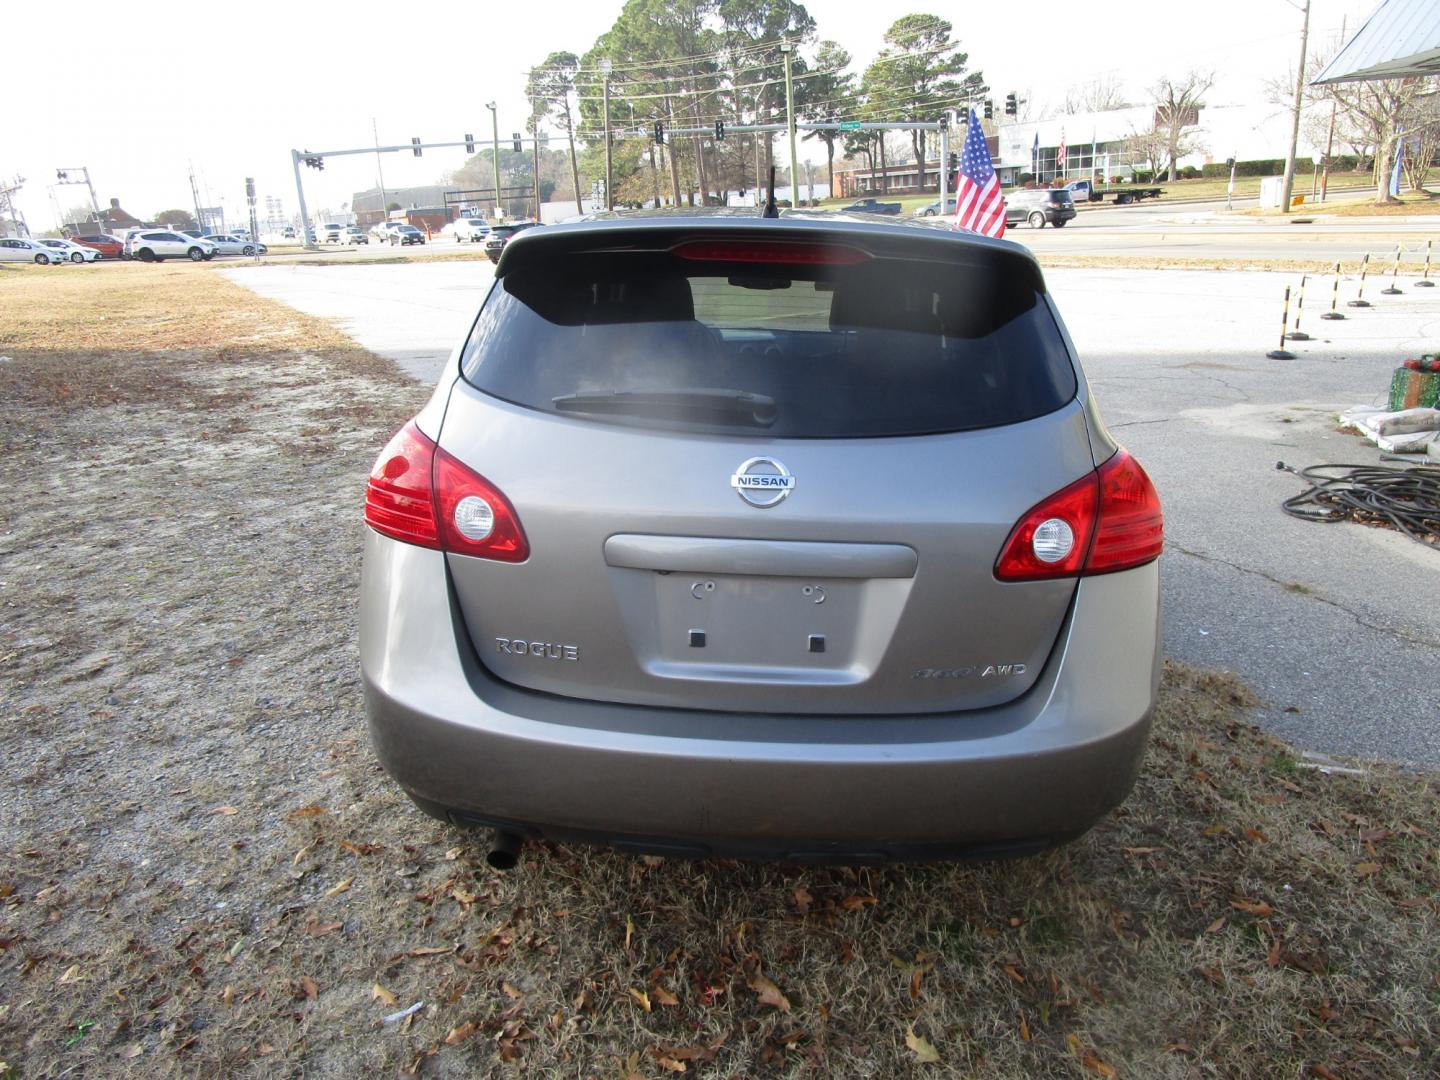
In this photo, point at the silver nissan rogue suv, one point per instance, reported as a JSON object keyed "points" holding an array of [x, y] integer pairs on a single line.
{"points": [[796, 539]]}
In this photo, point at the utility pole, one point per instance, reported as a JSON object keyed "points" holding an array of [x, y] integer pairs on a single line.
{"points": [[786, 48], [380, 174], [1295, 124], [1330, 136], [535, 124], [195, 196], [495, 154], [605, 67]]}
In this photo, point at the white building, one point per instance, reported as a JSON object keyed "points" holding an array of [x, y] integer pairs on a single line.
{"points": [[1095, 142]]}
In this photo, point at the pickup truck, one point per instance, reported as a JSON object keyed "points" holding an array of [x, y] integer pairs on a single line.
{"points": [[1085, 191], [870, 206]]}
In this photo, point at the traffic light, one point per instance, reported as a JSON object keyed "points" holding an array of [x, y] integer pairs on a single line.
{"points": [[469, 143], [515, 135], [989, 109], [250, 188], [415, 145], [1012, 107], [719, 130], [315, 162], [61, 174], [954, 161], [659, 133]]}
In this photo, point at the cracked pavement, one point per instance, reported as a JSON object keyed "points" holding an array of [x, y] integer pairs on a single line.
{"points": [[1335, 626]]}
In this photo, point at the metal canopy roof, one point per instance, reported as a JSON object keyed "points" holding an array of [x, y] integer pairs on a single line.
{"points": [[1401, 39]]}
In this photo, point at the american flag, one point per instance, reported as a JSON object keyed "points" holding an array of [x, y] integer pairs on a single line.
{"points": [[979, 206], [1060, 154]]}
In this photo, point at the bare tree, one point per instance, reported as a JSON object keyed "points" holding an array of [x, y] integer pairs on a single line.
{"points": [[1422, 138], [1149, 145], [1378, 109], [1177, 109], [1104, 94]]}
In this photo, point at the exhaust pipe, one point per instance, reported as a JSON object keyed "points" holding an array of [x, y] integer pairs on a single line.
{"points": [[504, 850]]}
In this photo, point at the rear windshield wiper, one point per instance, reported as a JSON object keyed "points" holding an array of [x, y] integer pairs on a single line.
{"points": [[725, 406]]}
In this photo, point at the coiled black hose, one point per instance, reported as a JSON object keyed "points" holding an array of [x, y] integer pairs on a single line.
{"points": [[1405, 499]]}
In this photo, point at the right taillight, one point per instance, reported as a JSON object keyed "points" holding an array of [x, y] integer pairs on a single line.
{"points": [[1106, 521], [422, 495]]}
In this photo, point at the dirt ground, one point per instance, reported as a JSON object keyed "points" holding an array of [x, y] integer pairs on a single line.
{"points": [[204, 873]]}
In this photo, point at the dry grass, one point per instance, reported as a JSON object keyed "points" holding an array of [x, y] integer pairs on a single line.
{"points": [[202, 872], [1411, 204]]}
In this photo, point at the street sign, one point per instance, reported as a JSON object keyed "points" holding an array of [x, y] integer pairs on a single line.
{"points": [[849, 125]]}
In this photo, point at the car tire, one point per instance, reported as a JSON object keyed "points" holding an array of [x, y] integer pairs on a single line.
{"points": [[248, 249], [209, 255], [195, 254], [1058, 224], [76, 257], [41, 259], [1037, 220]]}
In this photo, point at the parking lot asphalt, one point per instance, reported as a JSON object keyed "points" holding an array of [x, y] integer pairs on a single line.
{"points": [[1335, 626]]}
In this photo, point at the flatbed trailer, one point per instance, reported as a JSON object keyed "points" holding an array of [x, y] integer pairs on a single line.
{"points": [[1085, 191]]}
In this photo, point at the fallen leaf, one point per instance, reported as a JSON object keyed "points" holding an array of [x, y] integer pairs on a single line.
{"points": [[1259, 908], [321, 929], [915, 978], [663, 996], [924, 1049], [380, 994], [1141, 850], [307, 811], [310, 988], [510, 991], [339, 887], [670, 1064], [1024, 1029], [72, 974], [1211, 975], [855, 903], [653, 861], [459, 1034], [1213, 830], [1255, 836], [1216, 926], [1092, 1061], [1322, 1072], [133, 1051], [803, 900], [642, 997], [1012, 973], [629, 930], [226, 810], [228, 996], [464, 898], [454, 853], [431, 950], [265, 1048], [768, 992], [1365, 869]]}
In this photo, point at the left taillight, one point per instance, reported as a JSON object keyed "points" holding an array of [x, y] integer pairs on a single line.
{"points": [[422, 495]]}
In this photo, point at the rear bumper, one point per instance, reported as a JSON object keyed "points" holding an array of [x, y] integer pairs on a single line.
{"points": [[1036, 771]]}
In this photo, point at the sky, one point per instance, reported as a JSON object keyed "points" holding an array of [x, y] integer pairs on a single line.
{"points": [[228, 89]]}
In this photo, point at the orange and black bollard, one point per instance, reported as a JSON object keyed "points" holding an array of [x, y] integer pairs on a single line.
{"points": [[1297, 334], [1394, 289], [1332, 314], [1360, 300], [1425, 282], [1282, 353]]}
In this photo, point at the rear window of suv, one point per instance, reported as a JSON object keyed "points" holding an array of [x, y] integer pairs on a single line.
{"points": [[878, 347]]}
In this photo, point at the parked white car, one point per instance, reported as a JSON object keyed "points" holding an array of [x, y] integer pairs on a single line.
{"points": [[330, 234], [157, 245], [229, 244], [19, 249], [467, 228], [69, 251]]}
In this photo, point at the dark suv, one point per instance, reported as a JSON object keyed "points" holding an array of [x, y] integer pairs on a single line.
{"points": [[1038, 207], [500, 235]]}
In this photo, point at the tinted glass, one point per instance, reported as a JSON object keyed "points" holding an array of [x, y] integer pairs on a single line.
{"points": [[882, 347]]}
